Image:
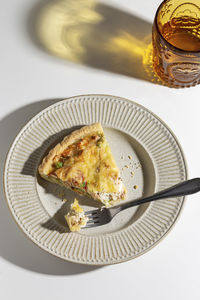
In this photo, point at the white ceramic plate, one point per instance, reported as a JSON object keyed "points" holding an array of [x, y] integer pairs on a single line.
{"points": [[157, 162]]}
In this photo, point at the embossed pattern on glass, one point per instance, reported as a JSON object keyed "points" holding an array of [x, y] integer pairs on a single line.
{"points": [[176, 43]]}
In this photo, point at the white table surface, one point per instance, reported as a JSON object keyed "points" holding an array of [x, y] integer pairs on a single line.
{"points": [[31, 79]]}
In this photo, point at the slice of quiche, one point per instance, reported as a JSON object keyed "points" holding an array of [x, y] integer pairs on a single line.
{"points": [[76, 218], [84, 163]]}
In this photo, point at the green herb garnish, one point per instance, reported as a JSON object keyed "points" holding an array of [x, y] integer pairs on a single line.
{"points": [[100, 140], [59, 164], [83, 184]]}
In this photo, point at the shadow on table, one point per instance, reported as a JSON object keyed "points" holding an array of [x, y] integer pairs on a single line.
{"points": [[94, 34], [14, 246]]}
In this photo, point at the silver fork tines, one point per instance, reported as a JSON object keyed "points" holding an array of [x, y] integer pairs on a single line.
{"points": [[98, 217]]}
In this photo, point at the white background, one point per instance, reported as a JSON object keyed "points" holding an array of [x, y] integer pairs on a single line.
{"points": [[30, 79]]}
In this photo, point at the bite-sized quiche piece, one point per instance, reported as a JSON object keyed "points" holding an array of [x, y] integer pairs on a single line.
{"points": [[76, 218], [84, 163]]}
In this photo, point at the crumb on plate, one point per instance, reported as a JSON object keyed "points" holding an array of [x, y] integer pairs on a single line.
{"points": [[76, 218]]}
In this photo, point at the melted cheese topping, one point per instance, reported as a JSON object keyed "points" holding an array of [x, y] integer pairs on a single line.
{"points": [[92, 170], [76, 207]]}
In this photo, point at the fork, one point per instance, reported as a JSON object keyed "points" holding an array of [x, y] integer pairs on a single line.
{"points": [[103, 216]]}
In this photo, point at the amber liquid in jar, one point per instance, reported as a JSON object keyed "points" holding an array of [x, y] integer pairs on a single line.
{"points": [[184, 36], [176, 56]]}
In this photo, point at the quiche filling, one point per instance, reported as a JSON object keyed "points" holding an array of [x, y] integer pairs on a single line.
{"points": [[88, 167], [75, 217]]}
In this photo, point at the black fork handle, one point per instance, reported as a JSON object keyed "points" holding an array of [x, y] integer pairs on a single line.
{"points": [[181, 189]]}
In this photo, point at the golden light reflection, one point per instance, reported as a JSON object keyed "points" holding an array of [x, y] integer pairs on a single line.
{"points": [[127, 43], [96, 35], [62, 24]]}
